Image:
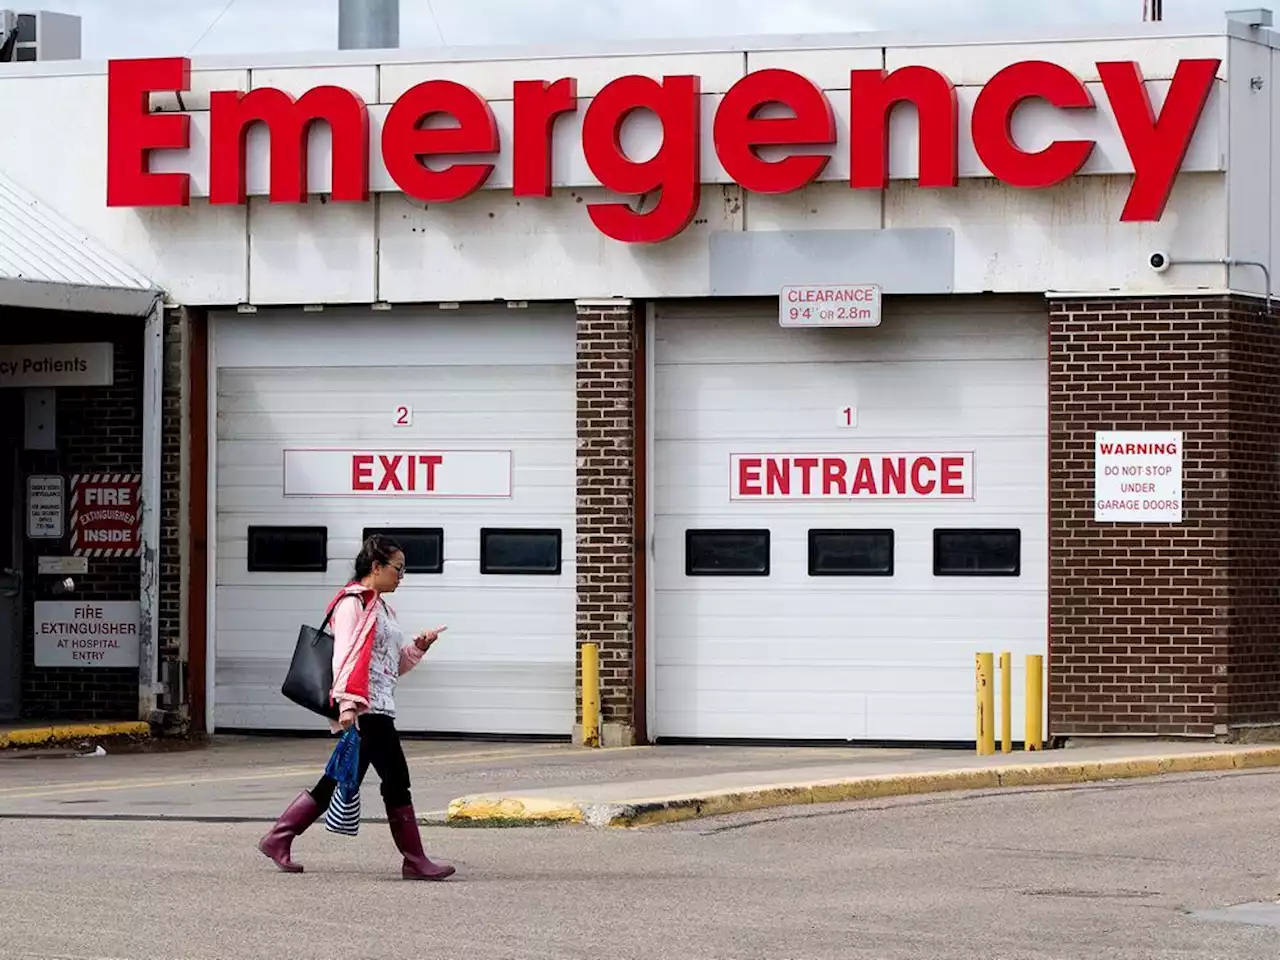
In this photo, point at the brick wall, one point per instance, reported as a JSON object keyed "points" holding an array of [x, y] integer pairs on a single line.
{"points": [[606, 509], [172, 503], [1166, 629], [1253, 518], [99, 429]]}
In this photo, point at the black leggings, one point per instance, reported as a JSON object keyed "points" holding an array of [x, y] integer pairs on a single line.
{"points": [[379, 746]]}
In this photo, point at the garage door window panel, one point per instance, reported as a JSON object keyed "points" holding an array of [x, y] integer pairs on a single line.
{"points": [[726, 553], [977, 553], [423, 546], [520, 552], [850, 553], [288, 549]]}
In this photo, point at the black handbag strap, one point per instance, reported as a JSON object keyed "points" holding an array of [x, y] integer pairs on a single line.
{"points": [[329, 616]]}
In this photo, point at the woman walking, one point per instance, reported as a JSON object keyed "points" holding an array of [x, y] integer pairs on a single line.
{"points": [[369, 656]]}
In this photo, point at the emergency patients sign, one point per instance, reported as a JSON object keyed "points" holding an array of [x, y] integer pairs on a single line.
{"points": [[397, 473], [1138, 477], [851, 476], [830, 305]]}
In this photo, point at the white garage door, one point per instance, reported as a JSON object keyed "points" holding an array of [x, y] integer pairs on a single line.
{"points": [[844, 517], [314, 449]]}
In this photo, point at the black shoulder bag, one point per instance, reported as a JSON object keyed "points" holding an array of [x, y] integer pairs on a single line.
{"points": [[310, 677]]}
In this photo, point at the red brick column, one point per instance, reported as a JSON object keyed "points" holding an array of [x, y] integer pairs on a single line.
{"points": [[1253, 520], [606, 509], [1165, 629]]}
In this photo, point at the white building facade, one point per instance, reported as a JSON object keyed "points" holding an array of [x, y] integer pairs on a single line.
{"points": [[773, 366]]}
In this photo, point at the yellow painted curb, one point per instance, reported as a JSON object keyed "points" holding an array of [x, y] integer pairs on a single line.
{"points": [[35, 736], [650, 811], [500, 810]]}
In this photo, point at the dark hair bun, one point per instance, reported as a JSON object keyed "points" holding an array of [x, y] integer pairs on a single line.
{"points": [[376, 549]]}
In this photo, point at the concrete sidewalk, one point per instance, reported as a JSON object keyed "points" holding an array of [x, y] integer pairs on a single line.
{"points": [[504, 784], [641, 803]]}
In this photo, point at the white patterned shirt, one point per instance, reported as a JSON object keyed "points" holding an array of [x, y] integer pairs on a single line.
{"points": [[384, 665]]}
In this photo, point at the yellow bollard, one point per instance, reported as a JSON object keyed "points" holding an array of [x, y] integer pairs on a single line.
{"points": [[986, 705], [1035, 702], [590, 695], [1006, 702]]}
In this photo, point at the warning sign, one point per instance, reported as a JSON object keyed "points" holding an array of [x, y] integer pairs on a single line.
{"points": [[1137, 477]]}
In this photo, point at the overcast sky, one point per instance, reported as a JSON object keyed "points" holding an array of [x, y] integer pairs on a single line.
{"points": [[156, 27]]}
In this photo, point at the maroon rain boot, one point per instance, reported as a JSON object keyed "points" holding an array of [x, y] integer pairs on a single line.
{"points": [[302, 813], [404, 829]]}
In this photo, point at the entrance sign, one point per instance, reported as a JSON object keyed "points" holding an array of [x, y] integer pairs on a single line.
{"points": [[543, 136], [851, 476], [397, 473], [92, 634], [830, 305], [1138, 477], [46, 507], [56, 365], [106, 515]]}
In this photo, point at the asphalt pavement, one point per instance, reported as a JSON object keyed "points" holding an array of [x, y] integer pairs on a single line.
{"points": [[1151, 869]]}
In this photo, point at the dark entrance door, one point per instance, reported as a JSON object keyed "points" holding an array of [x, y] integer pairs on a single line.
{"points": [[11, 535]]}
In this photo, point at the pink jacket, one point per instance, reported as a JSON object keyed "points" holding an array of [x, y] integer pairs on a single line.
{"points": [[354, 625]]}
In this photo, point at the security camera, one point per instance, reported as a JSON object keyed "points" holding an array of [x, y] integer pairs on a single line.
{"points": [[1159, 261]]}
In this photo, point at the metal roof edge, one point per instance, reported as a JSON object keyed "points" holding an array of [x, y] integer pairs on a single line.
{"points": [[76, 298], [1143, 293], [41, 251], [747, 43]]}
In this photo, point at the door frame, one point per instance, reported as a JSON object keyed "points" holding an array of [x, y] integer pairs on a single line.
{"points": [[18, 557]]}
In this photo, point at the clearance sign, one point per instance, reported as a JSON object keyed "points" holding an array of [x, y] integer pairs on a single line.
{"points": [[851, 476]]}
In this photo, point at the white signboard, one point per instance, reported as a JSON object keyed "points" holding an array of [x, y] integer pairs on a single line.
{"points": [[851, 476], [87, 634], [830, 305], [46, 507], [1138, 477], [56, 365], [397, 473]]}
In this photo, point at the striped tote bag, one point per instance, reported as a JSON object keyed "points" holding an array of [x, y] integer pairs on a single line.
{"points": [[343, 814]]}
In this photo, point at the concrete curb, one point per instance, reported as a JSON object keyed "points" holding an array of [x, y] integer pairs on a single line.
{"points": [[494, 810], [63, 732]]}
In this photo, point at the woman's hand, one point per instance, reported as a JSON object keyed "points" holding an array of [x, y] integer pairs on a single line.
{"points": [[347, 718], [426, 638]]}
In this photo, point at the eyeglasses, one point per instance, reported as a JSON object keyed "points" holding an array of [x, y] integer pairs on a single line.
{"points": [[398, 568]]}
